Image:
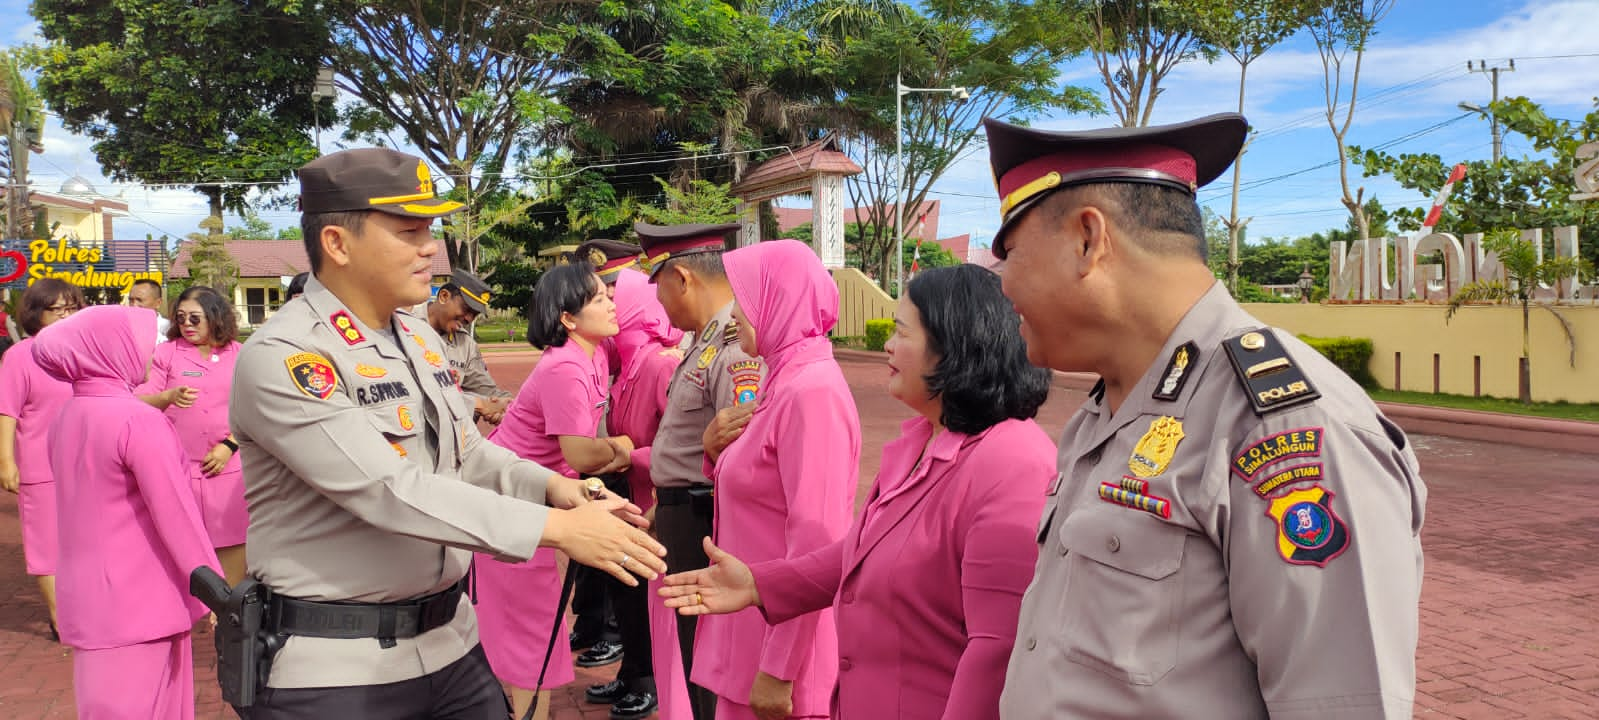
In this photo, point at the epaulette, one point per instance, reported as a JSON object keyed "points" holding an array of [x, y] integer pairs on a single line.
{"points": [[1269, 376], [730, 333]]}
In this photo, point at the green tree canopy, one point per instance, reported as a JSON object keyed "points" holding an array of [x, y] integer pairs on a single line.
{"points": [[213, 96]]}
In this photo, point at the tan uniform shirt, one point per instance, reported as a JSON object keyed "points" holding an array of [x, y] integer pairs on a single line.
{"points": [[367, 480], [714, 374], [466, 360], [1251, 566]]}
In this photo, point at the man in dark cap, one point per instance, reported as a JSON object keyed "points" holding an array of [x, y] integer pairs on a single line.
{"points": [[451, 314], [715, 378], [609, 258], [369, 485], [1234, 532]]}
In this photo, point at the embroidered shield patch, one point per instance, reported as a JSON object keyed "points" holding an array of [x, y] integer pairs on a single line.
{"points": [[313, 374], [1308, 531]]}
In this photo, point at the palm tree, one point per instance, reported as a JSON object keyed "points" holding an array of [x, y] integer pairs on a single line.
{"points": [[21, 127], [1524, 273]]}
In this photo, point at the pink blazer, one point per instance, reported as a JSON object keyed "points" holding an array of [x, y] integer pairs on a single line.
{"points": [[130, 529], [204, 424], [928, 582]]}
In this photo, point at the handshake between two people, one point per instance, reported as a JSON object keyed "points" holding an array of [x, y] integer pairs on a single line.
{"points": [[602, 530]]}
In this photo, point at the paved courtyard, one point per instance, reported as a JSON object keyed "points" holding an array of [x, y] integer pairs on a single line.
{"points": [[1510, 608]]}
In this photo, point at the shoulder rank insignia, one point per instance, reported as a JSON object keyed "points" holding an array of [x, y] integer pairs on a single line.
{"points": [[710, 330], [1156, 448], [730, 334], [1271, 379], [346, 326], [1176, 375], [1308, 531], [312, 374]]}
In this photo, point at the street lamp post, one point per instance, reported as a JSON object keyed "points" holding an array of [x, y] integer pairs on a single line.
{"points": [[322, 88], [900, 91], [1307, 282]]}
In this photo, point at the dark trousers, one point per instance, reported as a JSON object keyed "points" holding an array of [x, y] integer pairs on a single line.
{"points": [[463, 690], [632, 612], [681, 528]]}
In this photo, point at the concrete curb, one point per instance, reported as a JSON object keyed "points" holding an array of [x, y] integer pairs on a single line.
{"points": [[1523, 430]]}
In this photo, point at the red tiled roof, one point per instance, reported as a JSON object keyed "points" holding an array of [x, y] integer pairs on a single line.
{"points": [[790, 218], [957, 246], [818, 157], [275, 258]]}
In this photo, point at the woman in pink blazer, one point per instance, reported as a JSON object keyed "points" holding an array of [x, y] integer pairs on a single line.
{"points": [[928, 582], [130, 531], [29, 401], [785, 488], [553, 421], [645, 345], [191, 378]]}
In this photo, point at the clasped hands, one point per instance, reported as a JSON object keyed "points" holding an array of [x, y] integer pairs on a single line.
{"points": [[597, 528]]}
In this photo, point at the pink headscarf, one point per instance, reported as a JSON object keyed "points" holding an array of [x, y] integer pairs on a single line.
{"points": [[643, 325], [103, 350], [790, 298]]}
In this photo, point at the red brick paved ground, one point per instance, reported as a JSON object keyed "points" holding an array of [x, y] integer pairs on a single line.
{"points": [[1510, 609]]}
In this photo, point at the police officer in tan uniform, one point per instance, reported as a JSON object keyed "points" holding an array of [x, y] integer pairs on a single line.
{"points": [[367, 481], [1234, 532], [685, 264], [609, 258], [450, 314]]}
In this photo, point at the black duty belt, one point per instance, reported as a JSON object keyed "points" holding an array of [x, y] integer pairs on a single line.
{"points": [[683, 495], [351, 620]]}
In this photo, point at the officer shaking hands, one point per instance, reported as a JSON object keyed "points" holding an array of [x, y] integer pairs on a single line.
{"points": [[1234, 530], [369, 485]]}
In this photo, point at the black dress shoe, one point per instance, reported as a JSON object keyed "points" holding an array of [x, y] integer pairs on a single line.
{"points": [[604, 652], [581, 641], [633, 706], [606, 693]]}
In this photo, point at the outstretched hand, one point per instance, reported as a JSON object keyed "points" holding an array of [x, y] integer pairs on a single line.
{"points": [[592, 535], [726, 586]]}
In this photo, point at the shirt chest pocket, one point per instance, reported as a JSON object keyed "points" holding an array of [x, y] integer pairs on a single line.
{"points": [[1123, 609], [401, 426]]}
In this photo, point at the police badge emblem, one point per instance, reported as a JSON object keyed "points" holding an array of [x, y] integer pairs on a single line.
{"points": [[312, 374], [1156, 448]]}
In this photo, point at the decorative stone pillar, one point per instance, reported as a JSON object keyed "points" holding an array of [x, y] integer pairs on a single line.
{"points": [[750, 217], [827, 219]]}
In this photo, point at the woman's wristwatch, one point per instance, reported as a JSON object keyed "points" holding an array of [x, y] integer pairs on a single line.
{"points": [[232, 446]]}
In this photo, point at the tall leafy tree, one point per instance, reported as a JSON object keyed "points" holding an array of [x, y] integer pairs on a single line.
{"points": [[1526, 192], [464, 81], [1342, 30], [1137, 43], [1004, 54], [213, 96], [21, 129], [1245, 30]]}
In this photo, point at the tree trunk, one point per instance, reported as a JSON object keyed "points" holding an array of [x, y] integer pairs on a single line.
{"points": [[213, 196], [1232, 218], [1525, 380]]}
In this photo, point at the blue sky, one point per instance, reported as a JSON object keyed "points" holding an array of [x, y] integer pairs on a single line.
{"points": [[1414, 76]]}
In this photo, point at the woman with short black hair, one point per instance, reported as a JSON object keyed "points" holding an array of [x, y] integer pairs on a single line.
{"points": [[554, 421], [30, 399], [927, 584], [191, 378]]}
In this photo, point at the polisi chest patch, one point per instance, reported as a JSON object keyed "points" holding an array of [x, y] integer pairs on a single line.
{"points": [[1268, 375]]}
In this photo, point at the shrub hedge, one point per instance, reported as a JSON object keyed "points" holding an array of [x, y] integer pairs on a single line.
{"points": [[1352, 355], [877, 332]]}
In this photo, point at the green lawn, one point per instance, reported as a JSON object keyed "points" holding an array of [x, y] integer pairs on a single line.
{"points": [[1562, 410]]}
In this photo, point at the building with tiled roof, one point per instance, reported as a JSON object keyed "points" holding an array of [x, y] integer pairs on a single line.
{"points": [[265, 268]]}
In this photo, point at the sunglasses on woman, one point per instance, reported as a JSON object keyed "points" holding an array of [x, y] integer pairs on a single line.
{"points": [[189, 319]]}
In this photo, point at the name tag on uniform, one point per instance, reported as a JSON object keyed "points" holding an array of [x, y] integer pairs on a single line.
{"points": [[193, 373]]}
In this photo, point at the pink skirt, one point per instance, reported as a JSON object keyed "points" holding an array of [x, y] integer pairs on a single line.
{"points": [[221, 499], [671, 686], [136, 682], [515, 606], [36, 508]]}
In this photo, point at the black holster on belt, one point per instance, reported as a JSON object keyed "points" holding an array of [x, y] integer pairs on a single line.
{"points": [[244, 645]]}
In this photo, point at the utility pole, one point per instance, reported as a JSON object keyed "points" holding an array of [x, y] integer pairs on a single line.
{"points": [[1493, 73]]}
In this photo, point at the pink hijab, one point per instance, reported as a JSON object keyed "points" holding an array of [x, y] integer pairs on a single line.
{"points": [[790, 298], [643, 323], [103, 350]]}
